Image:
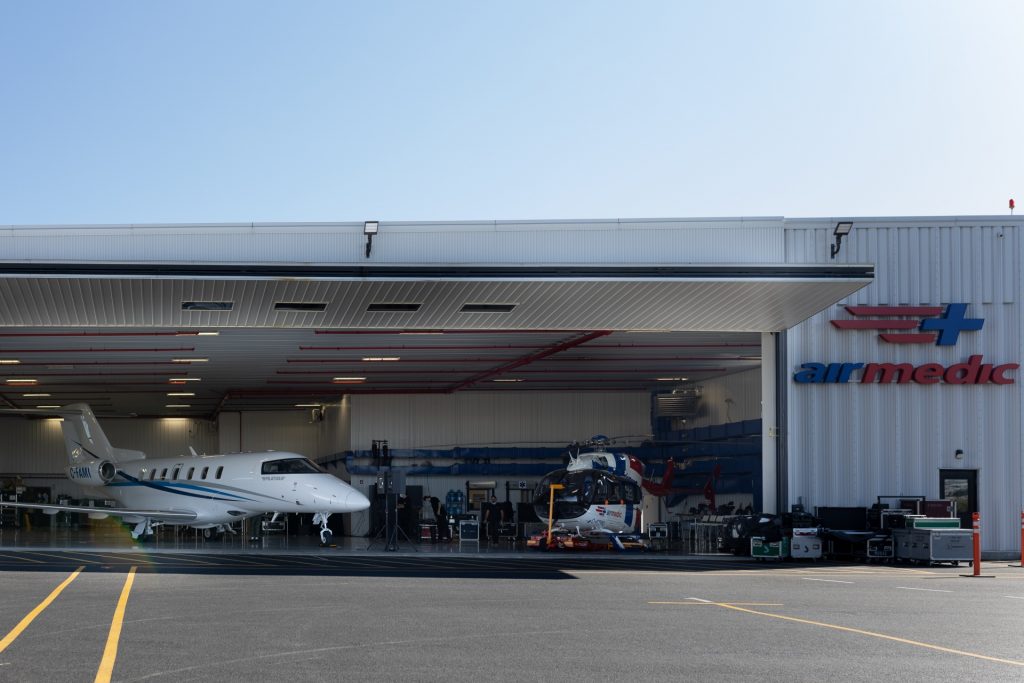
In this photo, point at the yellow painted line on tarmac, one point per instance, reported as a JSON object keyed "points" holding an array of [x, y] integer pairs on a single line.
{"points": [[715, 604], [22, 559], [873, 634], [23, 624], [89, 560], [110, 651]]}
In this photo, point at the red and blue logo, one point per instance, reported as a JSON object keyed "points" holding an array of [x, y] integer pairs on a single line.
{"points": [[933, 324], [909, 325]]}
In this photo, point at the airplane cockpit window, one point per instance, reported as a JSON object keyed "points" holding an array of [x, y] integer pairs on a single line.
{"points": [[291, 466]]}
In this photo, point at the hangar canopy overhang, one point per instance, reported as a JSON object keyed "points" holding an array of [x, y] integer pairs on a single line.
{"points": [[711, 298]]}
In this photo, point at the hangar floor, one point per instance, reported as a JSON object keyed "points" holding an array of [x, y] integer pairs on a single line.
{"points": [[116, 538]]}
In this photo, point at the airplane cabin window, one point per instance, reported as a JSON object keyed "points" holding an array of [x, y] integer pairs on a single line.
{"points": [[220, 471], [163, 473], [152, 475], [191, 471], [206, 470], [174, 474]]}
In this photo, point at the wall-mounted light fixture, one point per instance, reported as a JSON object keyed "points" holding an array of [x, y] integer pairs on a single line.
{"points": [[370, 229], [958, 454], [842, 230]]}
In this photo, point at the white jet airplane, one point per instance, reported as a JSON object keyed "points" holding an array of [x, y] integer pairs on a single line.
{"points": [[199, 491]]}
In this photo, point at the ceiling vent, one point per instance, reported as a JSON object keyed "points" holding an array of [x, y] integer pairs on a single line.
{"points": [[393, 308], [207, 305], [682, 402], [300, 307], [487, 308]]}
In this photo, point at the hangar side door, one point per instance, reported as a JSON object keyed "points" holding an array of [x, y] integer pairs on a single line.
{"points": [[962, 487]]}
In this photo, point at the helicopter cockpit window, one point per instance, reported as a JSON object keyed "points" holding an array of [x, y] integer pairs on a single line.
{"points": [[601, 490], [587, 489], [290, 466]]}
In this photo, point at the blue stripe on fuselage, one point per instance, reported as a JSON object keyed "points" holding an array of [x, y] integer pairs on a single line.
{"points": [[171, 488]]}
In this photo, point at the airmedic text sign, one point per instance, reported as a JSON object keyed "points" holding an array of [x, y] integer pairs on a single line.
{"points": [[931, 324]]}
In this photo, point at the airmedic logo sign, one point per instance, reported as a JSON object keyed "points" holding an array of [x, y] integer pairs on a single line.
{"points": [[909, 325]]}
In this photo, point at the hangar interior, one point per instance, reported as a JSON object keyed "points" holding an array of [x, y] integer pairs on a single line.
{"points": [[474, 369]]}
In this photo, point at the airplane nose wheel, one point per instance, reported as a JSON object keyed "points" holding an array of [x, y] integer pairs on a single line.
{"points": [[325, 533]]}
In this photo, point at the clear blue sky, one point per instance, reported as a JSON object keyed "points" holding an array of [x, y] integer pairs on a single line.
{"points": [[196, 111]]}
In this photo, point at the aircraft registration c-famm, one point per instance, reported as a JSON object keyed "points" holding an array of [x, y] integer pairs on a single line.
{"points": [[199, 491]]}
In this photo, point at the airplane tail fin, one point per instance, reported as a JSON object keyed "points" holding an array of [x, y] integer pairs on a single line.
{"points": [[86, 441]]}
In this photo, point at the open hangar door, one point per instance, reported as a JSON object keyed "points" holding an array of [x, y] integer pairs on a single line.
{"points": [[215, 343]]}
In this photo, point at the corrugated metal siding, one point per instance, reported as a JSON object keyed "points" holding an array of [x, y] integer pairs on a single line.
{"points": [[37, 447], [729, 399], [757, 240], [491, 419], [850, 443]]}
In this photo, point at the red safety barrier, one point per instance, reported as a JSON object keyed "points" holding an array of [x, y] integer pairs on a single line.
{"points": [[976, 524], [1022, 538]]}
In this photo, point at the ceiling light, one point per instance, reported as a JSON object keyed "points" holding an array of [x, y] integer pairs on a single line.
{"points": [[9, 361], [36, 395], [182, 380], [210, 333], [47, 406], [421, 332], [671, 379], [177, 405], [181, 393], [189, 360], [382, 358], [23, 381], [507, 380], [307, 405], [348, 380]]}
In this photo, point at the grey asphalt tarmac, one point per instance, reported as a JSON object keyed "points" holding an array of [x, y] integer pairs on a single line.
{"points": [[334, 614]]}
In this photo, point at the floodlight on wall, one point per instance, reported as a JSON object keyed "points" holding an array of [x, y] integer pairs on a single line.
{"points": [[370, 229], [842, 230], [958, 454]]}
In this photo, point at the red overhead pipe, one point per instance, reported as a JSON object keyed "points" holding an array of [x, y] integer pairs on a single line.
{"points": [[525, 360]]}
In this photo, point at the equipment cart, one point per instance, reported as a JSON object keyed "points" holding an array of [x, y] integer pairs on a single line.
{"points": [[806, 544], [761, 549], [928, 546]]}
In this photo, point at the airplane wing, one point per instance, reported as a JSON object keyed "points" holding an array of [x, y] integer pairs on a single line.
{"points": [[157, 515]]}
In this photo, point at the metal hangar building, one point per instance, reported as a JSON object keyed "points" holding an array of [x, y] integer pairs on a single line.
{"points": [[865, 357]]}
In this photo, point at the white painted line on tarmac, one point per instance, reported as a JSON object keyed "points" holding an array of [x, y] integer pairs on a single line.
{"points": [[930, 590], [804, 578], [699, 600]]}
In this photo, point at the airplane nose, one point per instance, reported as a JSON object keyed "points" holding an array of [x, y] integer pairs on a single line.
{"points": [[356, 501]]}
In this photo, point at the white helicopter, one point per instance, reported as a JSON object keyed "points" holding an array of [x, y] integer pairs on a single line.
{"points": [[594, 499], [199, 491]]}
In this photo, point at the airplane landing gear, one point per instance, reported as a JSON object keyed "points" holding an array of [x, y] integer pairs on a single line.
{"points": [[143, 530], [325, 533]]}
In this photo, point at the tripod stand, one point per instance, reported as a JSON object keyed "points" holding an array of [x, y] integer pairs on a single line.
{"points": [[389, 528]]}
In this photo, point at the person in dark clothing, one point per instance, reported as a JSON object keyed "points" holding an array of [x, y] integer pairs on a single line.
{"points": [[491, 514], [444, 531]]}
